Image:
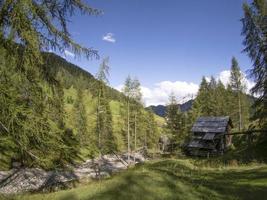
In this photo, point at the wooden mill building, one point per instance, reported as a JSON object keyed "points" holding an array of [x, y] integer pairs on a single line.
{"points": [[209, 136]]}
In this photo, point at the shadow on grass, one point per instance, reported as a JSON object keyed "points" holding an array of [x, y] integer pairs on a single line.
{"points": [[229, 184], [70, 196], [176, 179]]}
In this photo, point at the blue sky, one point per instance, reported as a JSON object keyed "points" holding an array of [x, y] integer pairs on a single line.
{"points": [[163, 40]]}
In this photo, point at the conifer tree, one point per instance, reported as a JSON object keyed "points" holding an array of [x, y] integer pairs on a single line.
{"points": [[239, 102], [40, 25], [152, 133], [174, 117], [201, 106], [104, 129], [255, 42], [132, 92], [238, 89], [27, 111], [211, 101], [36, 116], [221, 99], [80, 117]]}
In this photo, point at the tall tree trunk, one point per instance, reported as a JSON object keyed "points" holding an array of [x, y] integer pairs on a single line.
{"points": [[239, 111], [128, 128], [98, 122], [134, 136], [145, 140]]}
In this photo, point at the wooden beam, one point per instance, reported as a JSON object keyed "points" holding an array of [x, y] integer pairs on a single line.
{"points": [[247, 132]]}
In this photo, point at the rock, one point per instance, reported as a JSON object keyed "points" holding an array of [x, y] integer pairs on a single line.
{"points": [[16, 165], [35, 179]]}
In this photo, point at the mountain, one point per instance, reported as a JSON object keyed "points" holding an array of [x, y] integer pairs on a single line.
{"points": [[73, 76], [52, 116], [161, 110], [187, 105]]}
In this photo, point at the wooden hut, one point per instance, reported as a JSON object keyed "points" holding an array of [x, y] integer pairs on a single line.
{"points": [[209, 136]]}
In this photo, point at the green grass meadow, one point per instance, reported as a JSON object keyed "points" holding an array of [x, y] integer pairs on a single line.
{"points": [[180, 179]]}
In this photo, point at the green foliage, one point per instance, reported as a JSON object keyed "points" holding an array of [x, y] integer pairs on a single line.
{"points": [[34, 129], [80, 118], [47, 127], [213, 99], [174, 119], [104, 128], [139, 127], [39, 25], [255, 41], [151, 132], [54, 123], [239, 102], [172, 179]]}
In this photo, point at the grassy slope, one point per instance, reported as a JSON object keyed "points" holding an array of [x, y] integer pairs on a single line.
{"points": [[90, 105], [172, 179]]}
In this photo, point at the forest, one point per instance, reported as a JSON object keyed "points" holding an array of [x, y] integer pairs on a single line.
{"points": [[55, 116]]}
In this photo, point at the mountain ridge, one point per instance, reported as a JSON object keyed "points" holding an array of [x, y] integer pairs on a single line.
{"points": [[161, 110]]}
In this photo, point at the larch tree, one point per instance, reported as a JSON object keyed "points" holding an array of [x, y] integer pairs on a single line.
{"points": [[238, 88], [137, 96], [132, 91], [27, 28], [80, 117], [104, 128], [40, 25]]}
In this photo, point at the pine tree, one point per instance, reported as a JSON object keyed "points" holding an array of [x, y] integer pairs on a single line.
{"points": [[255, 41]]}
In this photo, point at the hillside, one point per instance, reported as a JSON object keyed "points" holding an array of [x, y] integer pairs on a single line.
{"points": [[62, 118], [161, 110], [70, 74]]}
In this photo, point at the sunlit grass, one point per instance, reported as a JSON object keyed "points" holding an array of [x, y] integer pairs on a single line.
{"points": [[172, 179]]}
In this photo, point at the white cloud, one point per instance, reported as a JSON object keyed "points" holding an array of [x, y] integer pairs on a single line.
{"points": [[159, 94], [224, 76], [109, 37], [68, 53]]}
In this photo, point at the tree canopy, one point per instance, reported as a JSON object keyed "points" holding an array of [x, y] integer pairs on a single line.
{"points": [[255, 42], [41, 25]]}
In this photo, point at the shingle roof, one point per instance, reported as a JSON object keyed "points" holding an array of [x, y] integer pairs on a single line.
{"points": [[211, 124]]}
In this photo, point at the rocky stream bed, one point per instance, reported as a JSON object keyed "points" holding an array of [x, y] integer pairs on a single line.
{"points": [[22, 180]]}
